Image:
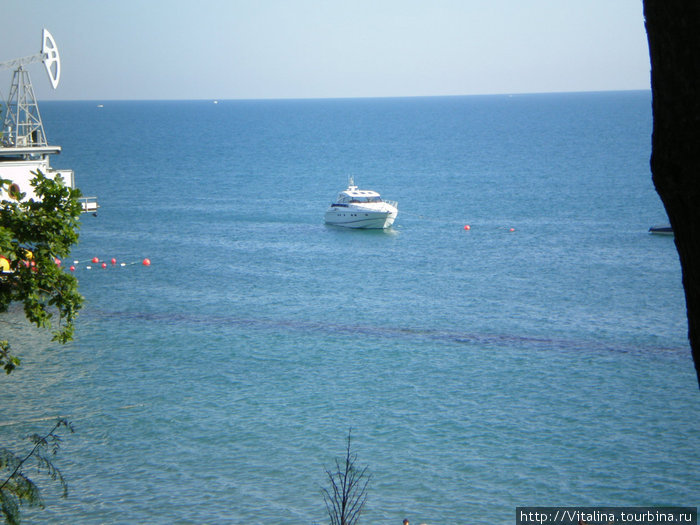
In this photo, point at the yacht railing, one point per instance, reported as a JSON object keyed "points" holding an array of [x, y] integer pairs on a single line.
{"points": [[392, 203], [89, 204]]}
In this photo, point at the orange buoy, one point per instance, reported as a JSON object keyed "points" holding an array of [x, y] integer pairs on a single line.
{"points": [[146, 262]]}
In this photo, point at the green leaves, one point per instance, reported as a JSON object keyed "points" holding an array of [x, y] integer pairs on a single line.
{"points": [[34, 233], [7, 361]]}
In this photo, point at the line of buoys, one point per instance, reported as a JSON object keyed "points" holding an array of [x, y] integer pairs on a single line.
{"points": [[467, 227], [103, 264]]}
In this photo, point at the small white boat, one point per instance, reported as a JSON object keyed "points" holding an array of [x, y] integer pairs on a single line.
{"points": [[661, 229], [355, 208]]}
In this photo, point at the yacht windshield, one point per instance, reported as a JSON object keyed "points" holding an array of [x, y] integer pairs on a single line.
{"points": [[366, 199]]}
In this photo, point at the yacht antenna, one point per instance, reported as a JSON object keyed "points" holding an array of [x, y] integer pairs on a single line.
{"points": [[22, 125]]}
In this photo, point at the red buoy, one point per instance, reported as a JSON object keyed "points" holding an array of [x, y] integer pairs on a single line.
{"points": [[104, 265], [146, 262], [57, 261], [467, 227], [113, 261], [95, 260], [72, 268]]}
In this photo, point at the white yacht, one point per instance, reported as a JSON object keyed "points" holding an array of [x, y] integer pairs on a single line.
{"points": [[23, 146], [355, 208]]}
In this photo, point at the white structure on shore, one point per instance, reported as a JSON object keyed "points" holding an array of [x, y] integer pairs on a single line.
{"points": [[23, 145]]}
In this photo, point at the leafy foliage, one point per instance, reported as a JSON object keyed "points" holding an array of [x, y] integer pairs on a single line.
{"points": [[35, 234], [18, 489], [347, 495], [7, 361]]}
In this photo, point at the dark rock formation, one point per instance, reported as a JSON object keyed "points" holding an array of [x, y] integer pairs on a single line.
{"points": [[673, 31]]}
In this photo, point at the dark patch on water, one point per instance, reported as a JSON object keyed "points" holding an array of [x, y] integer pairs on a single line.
{"points": [[376, 331]]}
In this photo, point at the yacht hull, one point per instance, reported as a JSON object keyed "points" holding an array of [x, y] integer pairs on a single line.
{"points": [[360, 219]]}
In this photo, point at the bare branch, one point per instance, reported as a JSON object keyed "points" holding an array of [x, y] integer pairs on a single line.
{"points": [[346, 498]]}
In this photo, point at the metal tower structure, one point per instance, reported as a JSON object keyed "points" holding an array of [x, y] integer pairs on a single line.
{"points": [[22, 125]]}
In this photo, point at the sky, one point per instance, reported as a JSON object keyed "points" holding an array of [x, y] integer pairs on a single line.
{"points": [[261, 49]]}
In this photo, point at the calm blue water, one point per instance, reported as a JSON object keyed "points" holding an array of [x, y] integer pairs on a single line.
{"points": [[479, 370]]}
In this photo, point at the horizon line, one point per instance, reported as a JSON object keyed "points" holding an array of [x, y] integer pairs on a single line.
{"points": [[363, 97]]}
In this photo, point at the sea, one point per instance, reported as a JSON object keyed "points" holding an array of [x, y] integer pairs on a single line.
{"points": [[537, 358]]}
